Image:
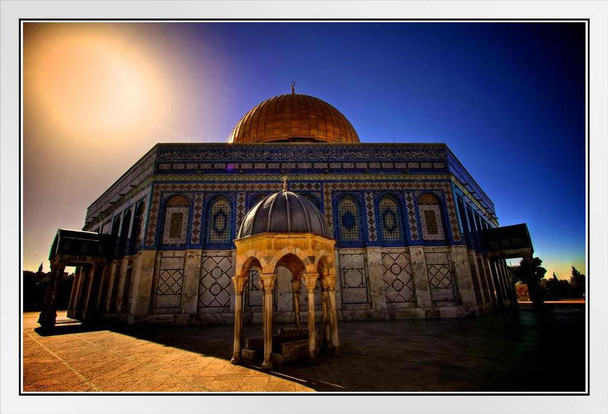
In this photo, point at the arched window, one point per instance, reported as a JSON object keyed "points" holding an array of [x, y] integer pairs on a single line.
{"points": [[463, 220], [256, 199], [313, 200], [114, 234], [390, 219], [219, 220], [136, 232], [124, 233], [430, 217], [177, 210], [349, 225]]}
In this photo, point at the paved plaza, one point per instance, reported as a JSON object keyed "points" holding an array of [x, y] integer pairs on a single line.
{"points": [[514, 353]]}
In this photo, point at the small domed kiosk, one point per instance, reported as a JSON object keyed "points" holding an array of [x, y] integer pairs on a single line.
{"points": [[286, 230]]}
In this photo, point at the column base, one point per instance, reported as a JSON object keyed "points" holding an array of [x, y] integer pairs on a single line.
{"points": [[47, 320], [267, 366], [235, 360]]}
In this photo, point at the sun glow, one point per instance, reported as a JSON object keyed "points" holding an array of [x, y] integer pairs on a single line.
{"points": [[89, 82]]}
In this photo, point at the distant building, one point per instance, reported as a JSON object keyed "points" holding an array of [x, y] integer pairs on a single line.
{"points": [[407, 221]]}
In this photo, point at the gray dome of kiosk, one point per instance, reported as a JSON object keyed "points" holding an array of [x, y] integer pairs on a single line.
{"points": [[284, 212]]}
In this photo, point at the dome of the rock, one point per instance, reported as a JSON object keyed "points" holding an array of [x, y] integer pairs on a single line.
{"points": [[293, 117]]}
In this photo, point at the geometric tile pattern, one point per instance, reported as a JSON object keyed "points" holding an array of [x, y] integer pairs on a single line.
{"points": [[170, 283], [187, 188], [304, 186], [215, 281], [397, 276], [240, 208], [411, 215], [371, 217], [353, 278], [449, 201], [439, 276], [197, 219]]}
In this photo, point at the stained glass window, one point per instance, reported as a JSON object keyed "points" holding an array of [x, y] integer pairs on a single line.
{"points": [[348, 220], [390, 219], [218, 230]]}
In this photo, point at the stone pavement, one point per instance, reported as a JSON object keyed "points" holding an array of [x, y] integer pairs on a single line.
{"points": [[486, 354]]}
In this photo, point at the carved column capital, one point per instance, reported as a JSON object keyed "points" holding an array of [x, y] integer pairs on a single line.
{"points": [[239, 284], [329, 283], [267, 280], [311, 280]]}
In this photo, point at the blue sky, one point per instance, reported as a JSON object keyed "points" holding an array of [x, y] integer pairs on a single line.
{"points": [[507, 98]]}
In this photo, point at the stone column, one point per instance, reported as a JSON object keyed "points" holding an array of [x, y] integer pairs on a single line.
{"points": [[421, 279], [376, 280], [311, 282], [192, 273], [122, 281], [268, 281], [239, 284], [488, 277], [463, 275], [48, 315], [87, 303], [330, 282], [81, 294], [326, 315], [102, 287], [296, 286], [111, 293], [497, 284], [141, 282], [74, 294]]}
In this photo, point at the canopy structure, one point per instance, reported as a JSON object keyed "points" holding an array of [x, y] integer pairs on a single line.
{"points": [[73, 248], [308, 256]]}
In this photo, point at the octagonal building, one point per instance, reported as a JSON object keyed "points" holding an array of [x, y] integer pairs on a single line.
{"points": [[407, 221]]}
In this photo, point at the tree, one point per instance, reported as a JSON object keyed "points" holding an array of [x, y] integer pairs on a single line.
{"points": [[556, 289], [531, 275], [577, 283]]}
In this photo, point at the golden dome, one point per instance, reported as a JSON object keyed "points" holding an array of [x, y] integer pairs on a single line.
{"points": [[293, 117]]}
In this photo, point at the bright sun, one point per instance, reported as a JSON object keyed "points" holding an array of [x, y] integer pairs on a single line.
{"points": [[87, 81]]}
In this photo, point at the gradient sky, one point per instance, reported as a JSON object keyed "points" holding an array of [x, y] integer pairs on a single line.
{"points": [[507, 98]]}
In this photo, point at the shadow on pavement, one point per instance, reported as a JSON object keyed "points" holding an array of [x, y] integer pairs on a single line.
{"points": [[515, 352]]}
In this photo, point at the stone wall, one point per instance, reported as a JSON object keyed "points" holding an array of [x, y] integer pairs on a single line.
{"points": [[195, 286]]}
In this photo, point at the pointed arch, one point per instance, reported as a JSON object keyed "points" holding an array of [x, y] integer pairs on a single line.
{"points": [[136, 230], [348, 229], [431, 217], [391, 219], [219, 222], [176, 215]]}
